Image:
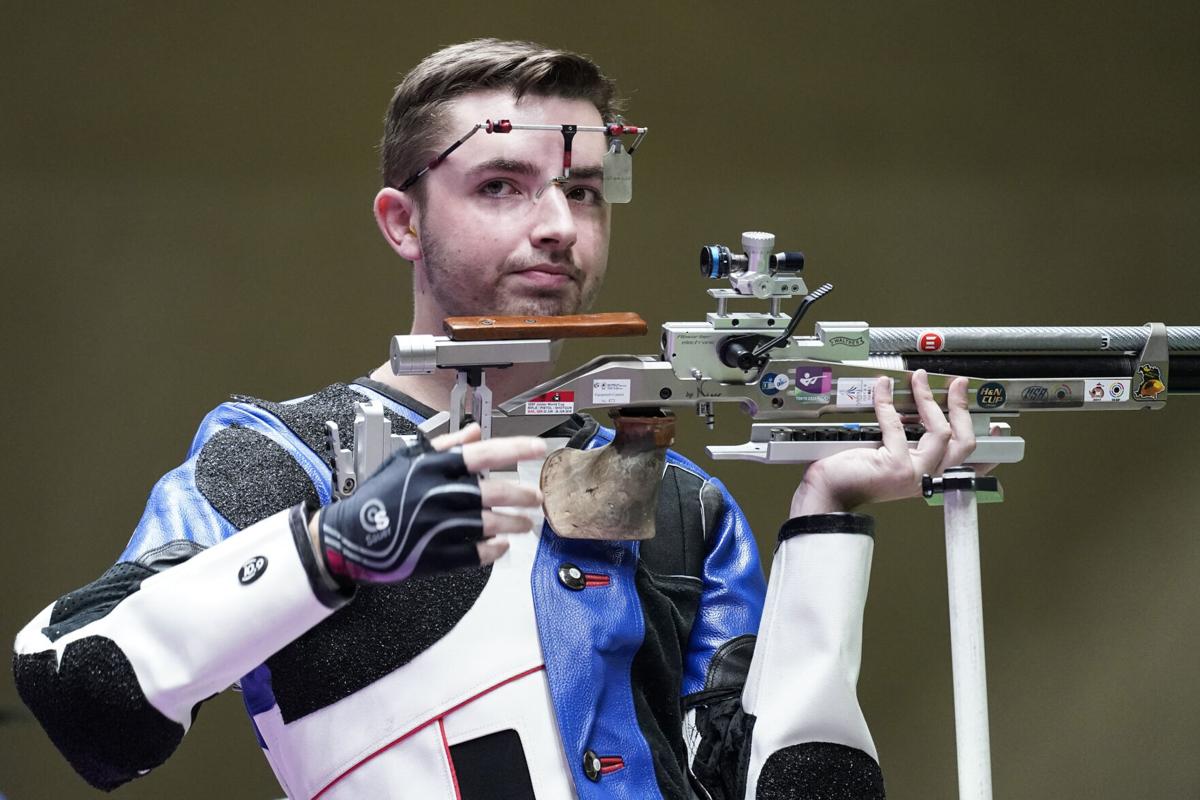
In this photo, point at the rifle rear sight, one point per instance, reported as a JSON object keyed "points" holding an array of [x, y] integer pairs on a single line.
{"points": [[762, 275], [756, 273]]}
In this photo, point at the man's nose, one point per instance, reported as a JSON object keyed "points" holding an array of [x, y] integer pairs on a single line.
{"points": [[554, 224]]}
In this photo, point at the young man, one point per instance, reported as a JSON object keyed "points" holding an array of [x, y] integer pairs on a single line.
{"points": [[389, 644]]}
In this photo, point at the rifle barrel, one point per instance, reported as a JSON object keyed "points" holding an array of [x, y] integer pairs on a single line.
{"points": [[1042, 352], [974, 339]]}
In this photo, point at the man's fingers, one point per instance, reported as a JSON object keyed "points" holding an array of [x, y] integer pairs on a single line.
{"points": [[495, 493], [462, 436], [502, 452], [496, 523], [490, 550], [890, 426], [962, 439], [986, 469], [932, 446]]}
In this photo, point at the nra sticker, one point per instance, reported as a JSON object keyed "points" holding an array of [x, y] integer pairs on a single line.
{"points": [[1151, 385], [991, 395], [773, 383], [551, 403], [252, 570], [814, 380], [931, 342]]}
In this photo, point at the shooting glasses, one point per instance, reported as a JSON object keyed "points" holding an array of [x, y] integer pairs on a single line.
{"points": [[617, 167]]}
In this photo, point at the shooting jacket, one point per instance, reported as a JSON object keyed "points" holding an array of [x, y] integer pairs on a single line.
{"points": [[587, 659]]}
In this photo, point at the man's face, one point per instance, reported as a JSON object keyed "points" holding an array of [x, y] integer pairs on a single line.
{"points": [[486, 246]]}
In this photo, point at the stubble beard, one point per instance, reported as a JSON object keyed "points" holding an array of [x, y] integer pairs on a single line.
{"points": [[458, 292]]}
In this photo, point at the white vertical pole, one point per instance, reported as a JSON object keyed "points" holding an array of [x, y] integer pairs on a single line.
{"points": [[966, 644]]}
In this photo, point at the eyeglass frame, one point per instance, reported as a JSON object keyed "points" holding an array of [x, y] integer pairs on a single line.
{"points": [[611, 130]]}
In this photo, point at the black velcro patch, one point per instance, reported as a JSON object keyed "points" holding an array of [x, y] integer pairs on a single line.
{"points": [[334, 403], [247, 477], [820, 771], [94, 711], [492, 767], [379, 631]]}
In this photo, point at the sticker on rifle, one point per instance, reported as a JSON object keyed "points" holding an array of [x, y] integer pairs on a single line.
{"points": [[1105, 390], [1039, 395], [855, 392], [551, 403], [611, 392], [773, 383], [931, 342], [991, 395], [1152, 383], [814, 380]]}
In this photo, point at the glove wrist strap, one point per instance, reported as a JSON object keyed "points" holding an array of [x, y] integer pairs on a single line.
{"points": [[331, 591]]}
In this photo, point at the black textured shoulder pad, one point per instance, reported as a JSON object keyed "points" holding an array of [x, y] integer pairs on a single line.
{"points": [[93, 709], [334, 403], [820, 771], [247, 477]]}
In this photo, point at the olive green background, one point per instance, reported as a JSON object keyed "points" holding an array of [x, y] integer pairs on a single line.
{"points": [[185, 213]]}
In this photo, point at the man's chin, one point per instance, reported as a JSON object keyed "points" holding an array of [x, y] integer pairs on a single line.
{"points": [[541, 305]]}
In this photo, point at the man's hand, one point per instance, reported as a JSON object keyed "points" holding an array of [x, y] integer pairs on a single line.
{"points": [[852, 478], [426, 512]]}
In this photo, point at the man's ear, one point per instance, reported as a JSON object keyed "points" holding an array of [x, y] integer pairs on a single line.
{"points": [[396, 214]]}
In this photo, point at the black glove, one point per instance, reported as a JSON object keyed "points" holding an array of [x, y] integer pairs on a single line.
{"points": [[420, 513]]}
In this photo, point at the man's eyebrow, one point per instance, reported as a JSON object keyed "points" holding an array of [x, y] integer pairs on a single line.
{"points": [[505, 165], [587, 173], [528, 168]]}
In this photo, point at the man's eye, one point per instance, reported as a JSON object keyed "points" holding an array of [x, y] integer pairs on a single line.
{"points": [[498, 188], [585, 194]]}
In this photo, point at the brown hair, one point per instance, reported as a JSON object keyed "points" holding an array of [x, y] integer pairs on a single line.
{"points": [[414, 117]]}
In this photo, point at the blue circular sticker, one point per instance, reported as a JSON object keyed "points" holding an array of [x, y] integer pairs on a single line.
{"points": [[773, 383]]}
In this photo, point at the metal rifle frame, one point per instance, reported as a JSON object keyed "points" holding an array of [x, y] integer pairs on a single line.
{"points": [[754, 360]]}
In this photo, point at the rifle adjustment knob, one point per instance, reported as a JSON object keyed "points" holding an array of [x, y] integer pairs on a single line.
{"points": [[758, 245]]}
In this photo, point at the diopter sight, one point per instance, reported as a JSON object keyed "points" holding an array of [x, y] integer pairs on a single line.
{"points": [[757, 272]]}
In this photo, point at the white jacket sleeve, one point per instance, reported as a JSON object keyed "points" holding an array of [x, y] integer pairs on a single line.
{"points": [[115, 670], [808, 736]]}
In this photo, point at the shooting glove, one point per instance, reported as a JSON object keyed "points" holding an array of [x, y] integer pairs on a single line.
{"points": [[421, 513]]}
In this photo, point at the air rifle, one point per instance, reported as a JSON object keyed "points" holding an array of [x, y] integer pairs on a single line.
{"points": [[806, 394], [786, 382]]}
